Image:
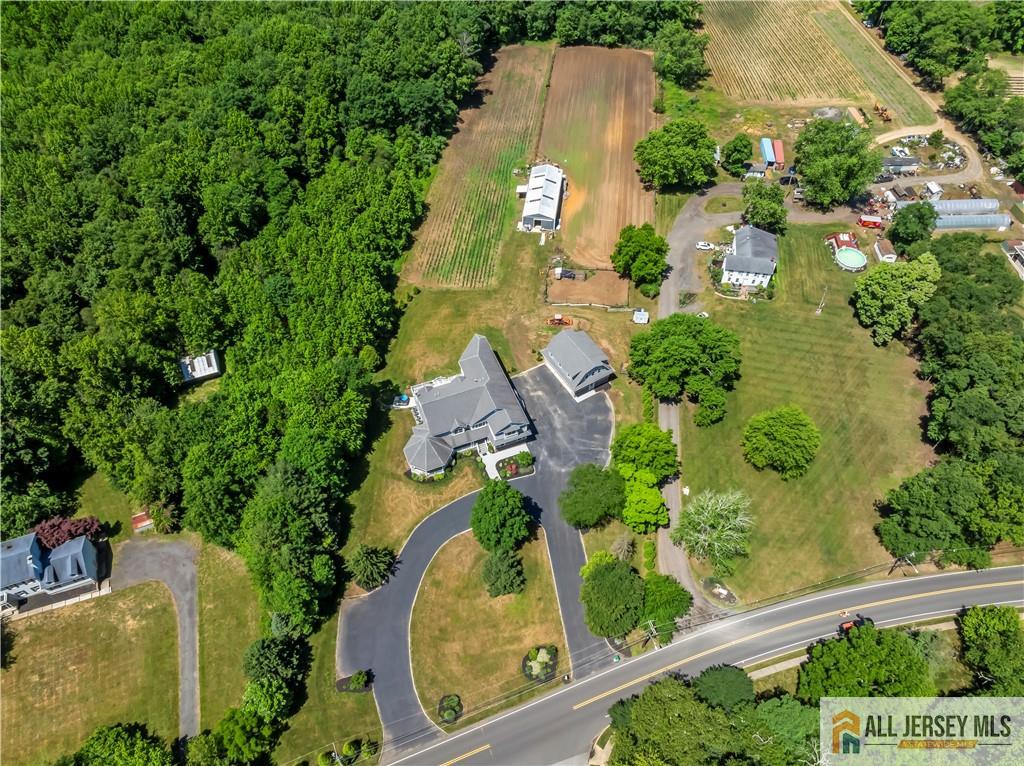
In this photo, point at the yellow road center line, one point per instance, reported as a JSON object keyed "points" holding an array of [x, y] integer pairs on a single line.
{"points": [[464, 756], [765, 632]]}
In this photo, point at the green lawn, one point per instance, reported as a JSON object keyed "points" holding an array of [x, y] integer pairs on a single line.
{"points": [[98, 497], [724, 204], [601, 539], [327, 715], [880, 75], [948, 672], [666, 208], [865, 400], [453, 613], [229, 620], [112, 658]]}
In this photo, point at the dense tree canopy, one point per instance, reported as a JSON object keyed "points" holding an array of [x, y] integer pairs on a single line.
{"points": [[665, 600], [593, 495], [784, 439], [122, 745], [911, 224], [687, 354], [499, 519], [836, 162], [737, 153], [980, 104], [680, 154], [865, 663], [644, 510], [640, 255], [645, 446], [679, 54], [889, 296], [613, 595], [724, 686], [764, 205], [992, 641]]}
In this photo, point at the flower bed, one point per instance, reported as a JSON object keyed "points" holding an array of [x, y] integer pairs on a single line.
{"points": [[517, 465], [540, 663]]}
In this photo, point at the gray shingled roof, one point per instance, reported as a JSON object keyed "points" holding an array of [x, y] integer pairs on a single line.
{"points": [[16, 565], [480, 400], [755, 251], [66, 562], [573, 355]]}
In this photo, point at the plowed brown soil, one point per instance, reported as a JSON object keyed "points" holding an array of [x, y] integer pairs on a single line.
{"points": [[598, 107], [603, 288]]}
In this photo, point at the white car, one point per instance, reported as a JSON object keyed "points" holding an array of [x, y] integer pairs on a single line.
{"points": [[705, 246], [704, 315]]}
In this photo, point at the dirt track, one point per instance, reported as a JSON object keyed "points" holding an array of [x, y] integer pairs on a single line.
{"points": [[598, 107]]}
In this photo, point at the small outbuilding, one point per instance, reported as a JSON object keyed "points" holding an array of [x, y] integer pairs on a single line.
{"points": [[543, 198], [578, 363], [960, 206], [998, 221], [767, 152], [200, 367], [901, 165], [756, 170], [641, 316], [780, 155], [884, 251]]}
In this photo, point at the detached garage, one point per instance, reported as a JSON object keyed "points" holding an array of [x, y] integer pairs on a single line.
{"points": [[578, 363], [543, 198]]}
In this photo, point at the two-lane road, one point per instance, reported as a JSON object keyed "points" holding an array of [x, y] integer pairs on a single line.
{"points": [[561, 726]]}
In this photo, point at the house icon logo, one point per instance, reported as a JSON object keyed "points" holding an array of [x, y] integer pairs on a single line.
{"points": [[846, 733]]}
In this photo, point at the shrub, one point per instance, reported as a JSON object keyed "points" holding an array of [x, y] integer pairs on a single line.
{"points": [[279, 656], [359, 681], [524, 459], [371, 567], [503, 573], [58, 530], [369, 749], [650, 555], [623, 547], [784, 439], [325, 758]]}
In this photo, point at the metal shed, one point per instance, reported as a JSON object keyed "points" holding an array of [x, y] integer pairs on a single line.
{"points": [[780, 155], [980, 221], [767, 151], [543, 197], [960, 206]]}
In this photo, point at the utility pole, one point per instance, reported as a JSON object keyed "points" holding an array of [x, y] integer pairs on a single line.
{"points": [[652, 633]]}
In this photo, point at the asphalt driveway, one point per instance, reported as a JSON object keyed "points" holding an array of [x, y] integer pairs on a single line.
{"points": [[174, 564], [373, 632]]}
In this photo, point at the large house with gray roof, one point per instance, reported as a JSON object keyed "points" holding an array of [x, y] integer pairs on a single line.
{"points": [[751, 263], [477, 406], [578, 363], [27, 569]]}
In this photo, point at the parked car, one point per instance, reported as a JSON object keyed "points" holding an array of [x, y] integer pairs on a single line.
{"points": [[705, 245], [857, 622], [884, 178]]}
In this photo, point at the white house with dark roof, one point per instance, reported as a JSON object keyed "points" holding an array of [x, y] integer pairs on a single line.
{"points": [[753, 258], [543, 198], [457, 413], [27, 569], [579, 364]]}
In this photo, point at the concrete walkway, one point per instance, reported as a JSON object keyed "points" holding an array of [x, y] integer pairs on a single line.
{"points": [[174, 564]]}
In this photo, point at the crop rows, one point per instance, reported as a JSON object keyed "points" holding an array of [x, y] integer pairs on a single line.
{"points": [[472, 201], [771, 50]]}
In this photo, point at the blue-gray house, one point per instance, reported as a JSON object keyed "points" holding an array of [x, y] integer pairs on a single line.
{"points": [[27, 569]]}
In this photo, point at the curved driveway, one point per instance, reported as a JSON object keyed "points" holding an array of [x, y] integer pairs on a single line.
{"points": [[374, 631], [559, 728]]}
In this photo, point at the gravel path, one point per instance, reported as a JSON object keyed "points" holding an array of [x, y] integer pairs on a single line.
{"points": [[174, 564]]}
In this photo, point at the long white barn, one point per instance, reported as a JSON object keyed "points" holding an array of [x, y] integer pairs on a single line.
{"points": [[543, 198]]}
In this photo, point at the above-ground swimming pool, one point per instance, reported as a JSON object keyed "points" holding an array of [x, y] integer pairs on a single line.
{"points": [[851, 259]]}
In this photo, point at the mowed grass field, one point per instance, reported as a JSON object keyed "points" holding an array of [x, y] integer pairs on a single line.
{"points": [[765, 50], [598, 106], [472, 200], [865, 400], [229, 620], [465, 642], [110, 659], [903, 101]]}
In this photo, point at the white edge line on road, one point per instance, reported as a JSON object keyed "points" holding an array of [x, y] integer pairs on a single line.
{"points": [[614, 668]]}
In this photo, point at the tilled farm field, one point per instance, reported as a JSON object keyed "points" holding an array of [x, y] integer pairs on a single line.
{"points": [[472, 202], [771, 50], [598, 107]]}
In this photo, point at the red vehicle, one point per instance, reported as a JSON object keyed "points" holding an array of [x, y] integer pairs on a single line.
{"points": [[858, 622], [870, 221]]}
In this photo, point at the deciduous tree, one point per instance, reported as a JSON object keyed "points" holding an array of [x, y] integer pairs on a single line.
{"points": [[992, 642], [911, 224], [499, 519], [724, 686], [679, 154], [593, 495], [716, 527], [640, 255], [665, 600], [645, 446], [887, 298], [679, 55], [737, 153], [783, 439], [764, 205], [836, 162], [612, 594]]}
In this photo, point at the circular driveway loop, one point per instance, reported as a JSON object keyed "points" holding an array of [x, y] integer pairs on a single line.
{"points": [[374, 631]]}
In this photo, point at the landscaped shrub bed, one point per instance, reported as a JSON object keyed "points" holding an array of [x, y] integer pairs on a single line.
{"points": [[517, 465], [541, 663], [449, 708]]}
